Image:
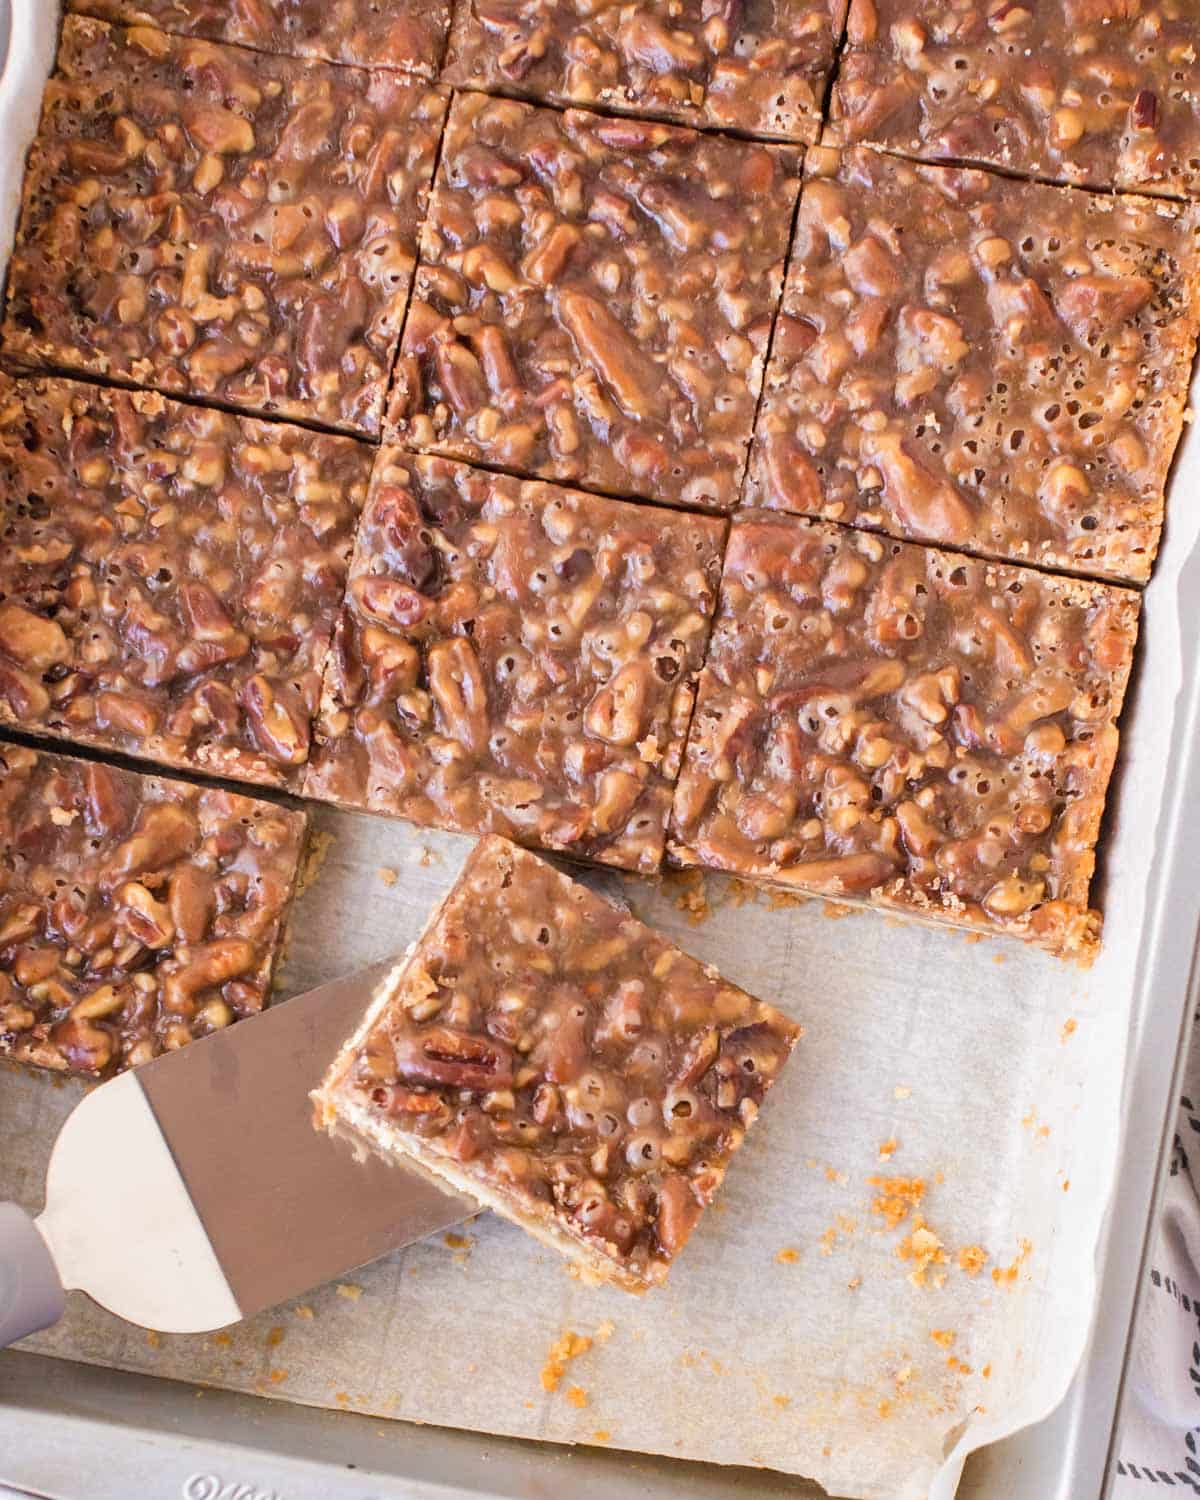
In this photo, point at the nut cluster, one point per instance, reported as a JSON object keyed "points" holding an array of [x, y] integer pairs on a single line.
{"points": [[911, 727], [408, 34], [981, 363], [542, 1045], [1103, 92], [223, 224], [517, 658], [135, 913], [594, 300], [760, 67], [170, 575]]}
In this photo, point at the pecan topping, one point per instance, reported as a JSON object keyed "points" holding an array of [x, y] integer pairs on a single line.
{"points": [[140, 914], [545, 1050], [907, 727]]}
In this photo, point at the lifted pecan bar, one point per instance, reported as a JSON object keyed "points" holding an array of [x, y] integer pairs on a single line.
{"points": [[562, 1064], [394, 34], [907, 728], [755, 65], [978, 362], [516, 658], [219, 223], [1103, 92], [136, 913], [170, 575], [594, 300]]}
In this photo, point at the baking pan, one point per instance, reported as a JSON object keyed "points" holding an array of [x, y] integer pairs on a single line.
{"points": [[70, 1428]]}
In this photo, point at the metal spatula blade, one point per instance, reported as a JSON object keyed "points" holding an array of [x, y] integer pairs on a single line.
{"points": [[195, 1192]]}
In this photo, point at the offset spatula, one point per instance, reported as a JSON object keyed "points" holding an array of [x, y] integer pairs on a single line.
{"points": [[194, 1192]]}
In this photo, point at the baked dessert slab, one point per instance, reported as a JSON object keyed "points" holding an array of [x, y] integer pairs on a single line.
{"points": [[170, 575], [1102, 92], [136, 913], [905, 727], [372, 33], [760, 67], [516, 658], [594, 300], [218, 223], [980, 363], [562, 1064]]}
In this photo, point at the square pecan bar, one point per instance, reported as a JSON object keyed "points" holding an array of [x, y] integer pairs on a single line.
{"points": [[372, 33], [218, 223], [594, 300], [516, 658], [1103, 92], [170, 575], [903, 727], [981, 363], [562, 1064], [136, 913], [758, 66]]}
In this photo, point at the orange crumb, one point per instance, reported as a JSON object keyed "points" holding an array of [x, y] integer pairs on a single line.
{"points": [[302, 1310], [342, 1398], [884, 1408], [923, 1247], [986, 1372], [972, 1259], [956, 1364], [888, 1148], [854, 1283], [568, 1346], [1009, 1274], [826, 1241], [601, 1435], [781, 900], [999, 958], [348, 1290], [1030, 1119], [896, 1196], [833, 1175], [973, 937], [275, 1337], [153, 1338], [782, 1402], [942, 1336], [577, 1396], [1042, 1132], [604, 1331], [901, 1091], [278, 1377], [223, 1340], [692, 896], [458, 1241], [1068, 1029], [787, 1256], [1066, 1183], [836, 910], [388, 876]]}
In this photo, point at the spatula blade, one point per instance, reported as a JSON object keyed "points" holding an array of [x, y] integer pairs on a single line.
{"points": [[281, 1207]]}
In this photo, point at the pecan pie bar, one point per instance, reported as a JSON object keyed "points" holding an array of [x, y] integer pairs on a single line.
{"points": [[909, 728], [218, 223], [136, 913], [373, 33], [562, 1064], [594, 300], [516, 658], [981, 363], [1104, 92], [758, 66], [170, 575]]}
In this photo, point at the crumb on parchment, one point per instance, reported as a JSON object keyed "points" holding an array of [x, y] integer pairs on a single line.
{"points": [[972, 1259], [315, 854], [1068, 1029], [925, 1250], [601, 1435], [942, 1336], [788, 1256], [901, 1091], [388, 875], [888, 1148], [896, 1197], [1007, 1275], [568, 1346], [349, 1290], [577, 1397], [275, 1337], [302, 1310]]}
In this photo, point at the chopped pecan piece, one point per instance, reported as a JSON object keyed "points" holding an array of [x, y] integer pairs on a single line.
{"points": [[605, 1123], [932, 733], [516, 658], [135, 913]]}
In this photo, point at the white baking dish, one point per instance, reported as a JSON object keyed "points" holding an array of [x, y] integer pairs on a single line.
{"points": [[66, 1429]]}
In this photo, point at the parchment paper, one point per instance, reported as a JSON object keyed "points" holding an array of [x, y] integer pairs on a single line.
{"points": [[792, 1334]]}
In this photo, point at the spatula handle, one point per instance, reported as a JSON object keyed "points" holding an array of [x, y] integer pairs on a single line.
{"points": [[31, 1295]]}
